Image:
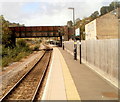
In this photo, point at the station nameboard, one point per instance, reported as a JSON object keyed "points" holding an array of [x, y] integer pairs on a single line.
{"points": [[77, 32]]}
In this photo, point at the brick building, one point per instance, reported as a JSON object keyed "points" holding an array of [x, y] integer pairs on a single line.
{"points": [[68, 32]]}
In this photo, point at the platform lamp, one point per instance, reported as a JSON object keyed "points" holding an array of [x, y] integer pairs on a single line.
{"points": [[75, 43]]}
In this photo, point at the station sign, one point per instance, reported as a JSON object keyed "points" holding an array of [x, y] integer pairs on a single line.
{"points": [[77, 32]]}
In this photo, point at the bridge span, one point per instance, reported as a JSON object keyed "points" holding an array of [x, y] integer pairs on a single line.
{"points": [[37, 31]]}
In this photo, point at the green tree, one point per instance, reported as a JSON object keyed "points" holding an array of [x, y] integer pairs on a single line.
{"points": [[5, 32], [112, 6], [94, 15], [69, 23], [104, 10]]}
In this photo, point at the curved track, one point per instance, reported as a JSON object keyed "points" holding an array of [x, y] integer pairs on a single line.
{"points": [[26, 88]]}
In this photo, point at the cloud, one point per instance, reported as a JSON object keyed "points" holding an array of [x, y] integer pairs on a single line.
{"points": [[51, 15], [49, 12]]}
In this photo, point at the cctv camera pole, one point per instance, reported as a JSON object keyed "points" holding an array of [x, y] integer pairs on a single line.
{"points": [[75, 42]]}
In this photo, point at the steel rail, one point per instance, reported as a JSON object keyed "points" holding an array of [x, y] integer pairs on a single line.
{"points": [[18, 82], [41, 79]]}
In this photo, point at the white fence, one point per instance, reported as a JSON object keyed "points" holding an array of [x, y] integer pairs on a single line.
{"points": [[100, 55]]}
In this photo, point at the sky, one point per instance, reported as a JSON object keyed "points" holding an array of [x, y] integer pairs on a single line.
{"points": [[48, 12]]}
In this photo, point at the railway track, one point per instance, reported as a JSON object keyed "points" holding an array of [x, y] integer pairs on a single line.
{"points": [[27, 87]]}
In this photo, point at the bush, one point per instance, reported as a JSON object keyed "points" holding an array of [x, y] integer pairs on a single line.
{"points": [[21, 43], [10, 55], [6, 61], [4, 51], [36, 48], [20, 56]]}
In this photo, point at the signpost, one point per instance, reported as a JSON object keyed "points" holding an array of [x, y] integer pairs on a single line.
{"points": [[77, 33]]}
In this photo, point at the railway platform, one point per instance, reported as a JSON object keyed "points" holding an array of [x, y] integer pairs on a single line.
{"points": [[70, 80]]}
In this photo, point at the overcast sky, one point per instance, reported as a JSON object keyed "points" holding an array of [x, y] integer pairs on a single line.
{"points": [[49, 12]]}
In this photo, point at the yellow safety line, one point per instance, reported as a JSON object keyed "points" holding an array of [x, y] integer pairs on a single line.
{"points": [[71, 91]]}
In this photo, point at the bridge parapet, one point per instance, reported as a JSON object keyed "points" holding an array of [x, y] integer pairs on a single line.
{"points": [[36, 31]]}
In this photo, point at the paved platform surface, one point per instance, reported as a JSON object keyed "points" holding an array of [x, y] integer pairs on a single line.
{"points": [[70, 80], [89, 85], [60, 85]]}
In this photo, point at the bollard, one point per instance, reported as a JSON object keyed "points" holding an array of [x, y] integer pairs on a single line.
{"points": [[80, 53], [75, 50], [63, 46]]}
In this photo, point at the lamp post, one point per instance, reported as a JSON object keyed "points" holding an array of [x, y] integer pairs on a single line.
{"points": [[75, 43], [73, 21]]}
